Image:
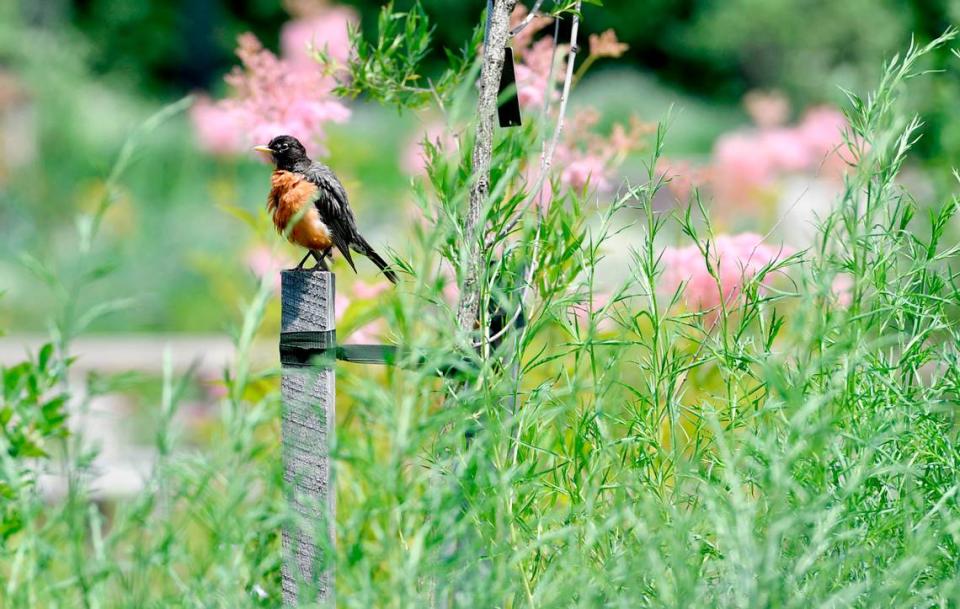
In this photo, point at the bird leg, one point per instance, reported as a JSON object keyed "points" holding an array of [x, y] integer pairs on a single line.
{"points": [[300, 266], [321, 264]]}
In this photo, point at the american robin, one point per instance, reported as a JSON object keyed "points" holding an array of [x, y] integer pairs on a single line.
{"points": [[299, 182]]}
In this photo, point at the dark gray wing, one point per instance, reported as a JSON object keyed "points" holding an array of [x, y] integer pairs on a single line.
{"points": [[334, 209]]}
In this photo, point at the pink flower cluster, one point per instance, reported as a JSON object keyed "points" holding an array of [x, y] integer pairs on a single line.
{"points": [[735, 258], [273, 95], [588, 158], [533, 74], [325, 29], [584, 158], [747, 164], [534, 60]]}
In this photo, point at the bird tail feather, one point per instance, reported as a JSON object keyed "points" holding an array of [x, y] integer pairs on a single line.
{"points": [[362, 247]]}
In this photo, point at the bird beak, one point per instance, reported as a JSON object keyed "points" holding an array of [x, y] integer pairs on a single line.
{"points": [[264, 149]]}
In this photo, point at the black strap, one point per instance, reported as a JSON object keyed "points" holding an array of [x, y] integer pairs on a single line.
{"points": [[299, 349], [304, 349]]}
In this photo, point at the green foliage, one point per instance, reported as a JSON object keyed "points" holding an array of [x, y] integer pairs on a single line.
{"points": [[199, 529], [161, 46], [32, 420], [391, 70], [779, 450], [803, 48]]}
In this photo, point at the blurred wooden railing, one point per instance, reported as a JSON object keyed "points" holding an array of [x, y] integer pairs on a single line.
{"points": [[107, 421], [140, 352]]}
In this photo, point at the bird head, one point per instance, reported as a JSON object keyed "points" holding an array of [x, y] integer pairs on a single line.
{"points": [[286, 152]]}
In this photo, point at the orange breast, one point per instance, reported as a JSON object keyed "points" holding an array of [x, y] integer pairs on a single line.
{"points": [[289, 194]]}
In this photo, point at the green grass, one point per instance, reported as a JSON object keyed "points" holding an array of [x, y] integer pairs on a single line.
{"points": [[782, 451]]}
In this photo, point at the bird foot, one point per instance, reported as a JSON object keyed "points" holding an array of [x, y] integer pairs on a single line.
{"points": [[321, 264]]}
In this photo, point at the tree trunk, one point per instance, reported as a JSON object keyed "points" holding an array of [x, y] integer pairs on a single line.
{"points": [[498, 30]]}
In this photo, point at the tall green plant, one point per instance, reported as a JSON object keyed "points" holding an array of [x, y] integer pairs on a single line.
{"points": [[794, 446]]}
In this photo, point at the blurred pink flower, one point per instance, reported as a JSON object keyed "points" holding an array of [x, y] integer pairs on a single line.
{"points": [[326, 31], [748, 164], [451, 292], [367, 291], [740, 167], [418, 217], [785, 149], [272, 96], [531, 174], [607, 45], [266, 264], [539, 57], [530, 87], [370, 333], [213, 386], [340, 305], [533, 73], [736, 259], [624, 140], [822, 131], [219, 128], [680, 176], [586, 169]]}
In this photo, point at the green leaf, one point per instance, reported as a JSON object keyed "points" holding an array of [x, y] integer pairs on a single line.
{"points": [[43, 358], [31, 450], [100, 310], [39, 270]]}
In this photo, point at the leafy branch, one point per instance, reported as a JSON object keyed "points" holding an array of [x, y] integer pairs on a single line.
{"points": [[389, 69]]}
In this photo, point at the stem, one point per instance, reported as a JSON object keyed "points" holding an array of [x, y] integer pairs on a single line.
{"points": [[547, 97], [583, 68], [528, 19]]}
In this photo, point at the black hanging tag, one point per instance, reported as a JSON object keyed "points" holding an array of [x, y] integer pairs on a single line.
{"points": [[509, 109]]}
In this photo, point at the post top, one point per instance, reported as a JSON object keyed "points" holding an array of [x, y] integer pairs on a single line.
{"points": [[307, 300]]}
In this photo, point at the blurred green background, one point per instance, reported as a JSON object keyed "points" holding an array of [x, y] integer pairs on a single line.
{"points": [[76, 77]]}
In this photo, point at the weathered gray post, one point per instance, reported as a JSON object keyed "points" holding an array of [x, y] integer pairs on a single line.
{"points": [[308, 391]]}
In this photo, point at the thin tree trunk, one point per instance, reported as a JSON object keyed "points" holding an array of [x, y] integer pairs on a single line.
{"points": [[497, 37]]}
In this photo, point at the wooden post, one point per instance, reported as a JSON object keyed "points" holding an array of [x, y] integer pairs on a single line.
{"points": [[308, 392]]}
